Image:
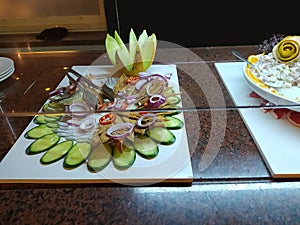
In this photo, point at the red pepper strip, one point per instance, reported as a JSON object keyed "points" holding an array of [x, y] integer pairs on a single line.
{"points": [[132, 80], [107, 119], [143, 112]]}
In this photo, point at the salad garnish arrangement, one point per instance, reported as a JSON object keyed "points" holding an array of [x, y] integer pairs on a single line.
{"points": [[277, 67], [132, 115]]}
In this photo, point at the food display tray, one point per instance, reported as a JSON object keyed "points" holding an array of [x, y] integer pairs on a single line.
{"points": [[277, 139], [172, 164]]}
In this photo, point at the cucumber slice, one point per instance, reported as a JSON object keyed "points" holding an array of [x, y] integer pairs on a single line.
{"points": [[174, 111], [168, 91], [52, 125], [38, 131], [40, 119], [100, 157], [77, 155], [173, 123], [43, 143], [49, 107], [146, 146], [161, 135], [56, 152], [124, 158], [173, 100], [51, 119]]}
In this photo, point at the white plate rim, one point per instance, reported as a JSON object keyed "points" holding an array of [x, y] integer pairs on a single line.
{"points": [[7, 72], [2, 78], [10, 64]]}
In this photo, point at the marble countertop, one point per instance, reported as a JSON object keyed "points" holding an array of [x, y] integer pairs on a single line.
{"points": [[236, 188]]}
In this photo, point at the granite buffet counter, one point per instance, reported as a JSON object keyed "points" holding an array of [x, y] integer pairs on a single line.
{"points": [[231, 183]]}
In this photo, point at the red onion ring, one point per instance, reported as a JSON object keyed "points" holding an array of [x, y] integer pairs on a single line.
{"points": [[156, 100], [140, 83], [118, 104], [168, 75], [144, 74], [159, 77], [130, 99], [57, 91], [148, 115], [121, 94], [113, 104], [118, 127]]}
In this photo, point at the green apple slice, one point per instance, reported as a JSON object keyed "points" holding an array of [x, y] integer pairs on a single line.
{"points": [[148, 49], [143, 36], [111, 46], [123, 53], [132, 43]]}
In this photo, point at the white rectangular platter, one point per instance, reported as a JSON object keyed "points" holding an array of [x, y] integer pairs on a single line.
{"points": [[172, 164], [277, 140]]}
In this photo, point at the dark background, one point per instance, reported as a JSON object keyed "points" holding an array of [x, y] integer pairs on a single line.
{"points": [[203, 23]]}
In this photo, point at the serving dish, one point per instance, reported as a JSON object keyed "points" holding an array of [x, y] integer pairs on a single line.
{"points": [[277, 140], [172, 164], [289, 97]]}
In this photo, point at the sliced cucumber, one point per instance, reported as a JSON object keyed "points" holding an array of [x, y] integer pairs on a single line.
{"points": [[52, 125], [173, 100], [51, 119], [125, 157], [168, 91], [40, 119], [51, 107], [77, 155], [38, 131], [56, 152], [174, 111], [161, 135], [145, 146], [100, 157], [173, 123], [42, 144]]}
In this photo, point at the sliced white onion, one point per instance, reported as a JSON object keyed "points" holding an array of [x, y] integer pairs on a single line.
{"points": [[62, 124], [128, 127], [79, 109], [87, 124], [74, 122], [148, 115]]}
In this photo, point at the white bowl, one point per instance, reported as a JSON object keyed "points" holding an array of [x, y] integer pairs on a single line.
{"points": [[286, 97]]}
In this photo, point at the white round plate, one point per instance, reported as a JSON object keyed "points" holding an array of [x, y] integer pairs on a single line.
{"points": [[7, 74], [289, 97], [5, 64]]}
